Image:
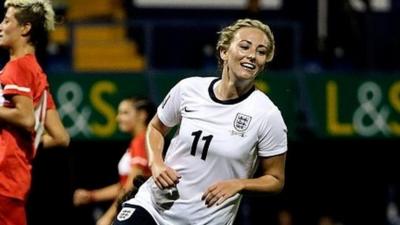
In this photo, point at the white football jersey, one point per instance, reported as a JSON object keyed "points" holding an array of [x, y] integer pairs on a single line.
{"points": [[216, 140]]}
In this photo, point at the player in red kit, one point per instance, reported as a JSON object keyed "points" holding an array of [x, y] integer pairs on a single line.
{"points": [[27, 109]]}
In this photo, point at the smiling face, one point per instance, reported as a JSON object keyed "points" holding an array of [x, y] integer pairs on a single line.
{"points": [[246, 55], [10, 30]]}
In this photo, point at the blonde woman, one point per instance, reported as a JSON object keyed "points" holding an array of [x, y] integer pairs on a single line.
{"points": [[226, 128], [28, 116]]}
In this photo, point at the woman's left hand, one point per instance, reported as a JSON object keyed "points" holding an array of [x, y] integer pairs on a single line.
{"points": [[219, 192]]}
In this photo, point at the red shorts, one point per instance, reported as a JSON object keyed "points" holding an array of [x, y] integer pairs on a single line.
{"points": [[12, 211]]}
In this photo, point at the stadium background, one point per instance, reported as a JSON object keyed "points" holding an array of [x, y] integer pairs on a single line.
{"points": [[333, 59]]}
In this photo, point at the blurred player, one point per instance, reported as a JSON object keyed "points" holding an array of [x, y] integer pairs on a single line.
{"points": [[133, 116]]}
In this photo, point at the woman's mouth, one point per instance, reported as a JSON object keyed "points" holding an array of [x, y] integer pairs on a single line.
{"points": [[248, 66]]}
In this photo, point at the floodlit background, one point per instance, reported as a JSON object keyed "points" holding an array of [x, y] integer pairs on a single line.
{"points": [[335, 77]]}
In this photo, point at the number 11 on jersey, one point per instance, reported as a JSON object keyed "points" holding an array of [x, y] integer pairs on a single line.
{"points": [[207, 139]]}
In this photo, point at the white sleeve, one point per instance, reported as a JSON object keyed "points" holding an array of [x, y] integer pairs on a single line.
{"points": [[272, 135], [169, 111]]}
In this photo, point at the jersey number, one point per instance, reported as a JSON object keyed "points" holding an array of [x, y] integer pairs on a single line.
{"points": [[207, 139]]}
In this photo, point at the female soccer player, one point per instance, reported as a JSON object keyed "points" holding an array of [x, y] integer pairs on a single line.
{"points": [[226, 127], [27, 109]]}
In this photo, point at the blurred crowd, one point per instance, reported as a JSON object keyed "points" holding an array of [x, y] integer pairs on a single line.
{"points": [[312, 36]]}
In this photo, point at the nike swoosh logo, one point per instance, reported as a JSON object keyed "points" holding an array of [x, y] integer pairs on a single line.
{"points": [[188, 110]]}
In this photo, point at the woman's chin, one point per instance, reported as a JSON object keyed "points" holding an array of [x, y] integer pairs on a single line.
{"points": [[247, 75]]}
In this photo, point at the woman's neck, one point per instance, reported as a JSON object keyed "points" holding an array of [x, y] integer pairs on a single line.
{"points": [[21, 50], [138, 129], [231, 88]]}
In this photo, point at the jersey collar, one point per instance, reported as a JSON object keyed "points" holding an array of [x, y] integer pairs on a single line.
{"points": [[229, 101]]}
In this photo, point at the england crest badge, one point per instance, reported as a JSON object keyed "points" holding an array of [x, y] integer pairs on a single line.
{"points": [[241, 122], [125, 213]]}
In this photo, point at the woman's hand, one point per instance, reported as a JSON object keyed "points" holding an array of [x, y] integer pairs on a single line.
{"points": [[82, 197], [164, 176], [219, 192]]}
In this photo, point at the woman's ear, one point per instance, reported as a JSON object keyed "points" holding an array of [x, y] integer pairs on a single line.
{"points": [[223, 54], [26, 29]]}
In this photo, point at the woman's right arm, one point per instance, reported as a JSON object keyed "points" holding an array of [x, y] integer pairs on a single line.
{"points": [[56, 134], [164, 176], [21, 115], [83, 196]]}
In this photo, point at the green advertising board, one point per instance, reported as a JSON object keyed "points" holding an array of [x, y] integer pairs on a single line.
{"points": [[88, 103], [328, 106], [355, 106]]}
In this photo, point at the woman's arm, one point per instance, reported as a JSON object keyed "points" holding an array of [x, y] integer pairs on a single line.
{"points": [[22, 115], [109, 215], [84, 196], [155, 133], [164, 176], [273, 178], [272, 181], [55, 134]]}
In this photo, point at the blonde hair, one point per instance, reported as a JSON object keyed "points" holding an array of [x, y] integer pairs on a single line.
{"points": [[227, 33], [38, 8]]}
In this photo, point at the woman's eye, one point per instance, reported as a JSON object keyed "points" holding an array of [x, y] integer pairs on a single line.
{"points": [[244, 47], [262, 52]]}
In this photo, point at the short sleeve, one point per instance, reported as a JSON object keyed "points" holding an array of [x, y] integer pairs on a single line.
{"points": [[17, 80], [137, 152], [50, 101], [168, 111], [273, 135]]}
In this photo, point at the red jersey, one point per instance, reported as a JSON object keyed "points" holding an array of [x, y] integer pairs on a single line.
{"points": [[21, 76], [135, 155]]}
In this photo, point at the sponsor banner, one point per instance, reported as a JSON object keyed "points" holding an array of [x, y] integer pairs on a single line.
{"points": [[323, 105], [349, 105]]}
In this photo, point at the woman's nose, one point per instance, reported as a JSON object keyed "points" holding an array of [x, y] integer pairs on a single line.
{"points": [[251, 55]]}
